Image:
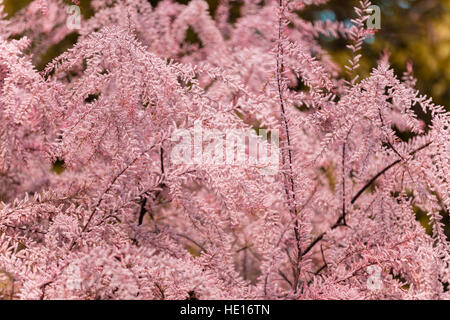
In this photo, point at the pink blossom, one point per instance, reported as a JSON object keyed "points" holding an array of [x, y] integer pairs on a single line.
{"points": [[94, 207]]}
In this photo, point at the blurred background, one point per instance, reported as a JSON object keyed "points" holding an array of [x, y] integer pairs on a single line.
{"points": [[411, 30]]}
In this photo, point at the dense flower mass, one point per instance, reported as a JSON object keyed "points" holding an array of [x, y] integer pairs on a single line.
{"points": [[100, 199]]}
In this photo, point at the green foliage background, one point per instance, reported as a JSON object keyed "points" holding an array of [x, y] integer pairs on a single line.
{"points": [[411, 30]]}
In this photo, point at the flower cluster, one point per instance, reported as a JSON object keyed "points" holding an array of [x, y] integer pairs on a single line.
{"points": [[94, 207]]}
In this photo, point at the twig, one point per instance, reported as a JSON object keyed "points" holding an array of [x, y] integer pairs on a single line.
{"points": [[341, 218], [290, 194], [161, 185], [142, 210], [281, 273], [24, 229], [161, 291], [343, 184], [384, 171], [100, 200], [192, 240]]}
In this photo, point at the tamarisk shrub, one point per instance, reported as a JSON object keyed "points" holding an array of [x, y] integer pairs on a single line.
{"points": [[95, 207]]}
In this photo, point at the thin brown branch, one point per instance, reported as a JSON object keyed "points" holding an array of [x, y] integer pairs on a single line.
{"points": [[343, 184], [281, 273], [369, 183], [340, 221], [192, 240], [289, 184]]}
